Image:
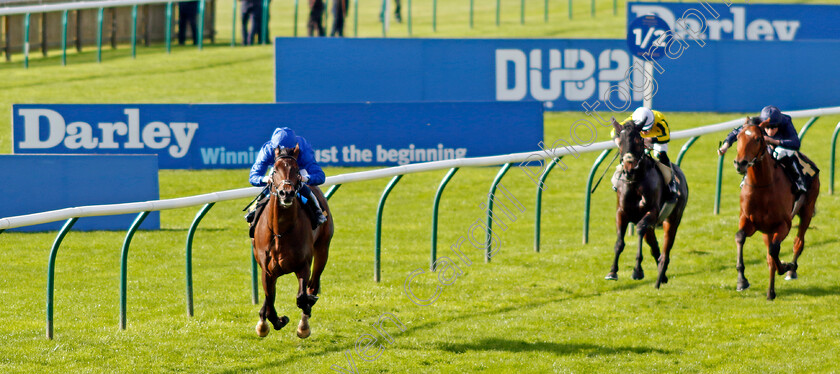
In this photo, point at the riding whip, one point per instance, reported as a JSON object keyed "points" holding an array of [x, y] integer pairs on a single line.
{"points": [[605, 173], [255, 198]]}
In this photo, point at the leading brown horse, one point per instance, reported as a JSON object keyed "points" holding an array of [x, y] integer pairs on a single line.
{"points": [[767, 202], [641, 197], [284, 242]]}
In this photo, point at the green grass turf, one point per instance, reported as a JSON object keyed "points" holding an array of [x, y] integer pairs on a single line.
{"points": [[546, 312]]}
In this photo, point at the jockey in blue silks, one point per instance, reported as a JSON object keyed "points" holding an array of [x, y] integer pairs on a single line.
{"points": [[310, 173], [782, 136]]}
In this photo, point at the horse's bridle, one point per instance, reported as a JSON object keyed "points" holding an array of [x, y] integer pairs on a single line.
{"points": [[285, 182]]}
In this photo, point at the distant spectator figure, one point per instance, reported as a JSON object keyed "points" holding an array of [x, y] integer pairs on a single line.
{"points": [[187, 14], [252, 13], [339, 14], [315, 26], [397, 12]]}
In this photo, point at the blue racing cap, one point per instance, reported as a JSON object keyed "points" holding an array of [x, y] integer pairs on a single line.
{"points": [[772, 113], [283, 137]]}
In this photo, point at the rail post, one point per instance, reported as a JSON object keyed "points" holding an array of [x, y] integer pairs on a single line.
{"points": [[592, 7], [233, 27], [200, 36], [134, 31], [685, 148], [379, 208], [807, 126], [435, 206], [331, 191], [490, 198], [718, 183], [26, 41], [264, 28], [545, 11], [472, 11], [294, 23], [498, 11], [169, 27], [190, 235], [64, 38], [409, 18], [124, 265], [588, 195], [522, 12], [538, 208], [51, 272], [100, 18], [434, 15], [255, 296], [833, 158], [355, 18]]}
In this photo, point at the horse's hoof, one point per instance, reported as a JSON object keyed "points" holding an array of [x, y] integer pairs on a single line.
{"points": [[664, 279], [281, 322], [303, 330], [611, 277], [262, 329], [743, 285], [771, 295], [791, 275], [638, 274]]}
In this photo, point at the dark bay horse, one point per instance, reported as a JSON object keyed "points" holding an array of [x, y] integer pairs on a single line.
{"points": [[284, 242], [767, 202], [641, 194]]}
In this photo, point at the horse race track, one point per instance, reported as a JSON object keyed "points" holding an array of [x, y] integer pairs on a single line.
{"points": [[528, 312]]}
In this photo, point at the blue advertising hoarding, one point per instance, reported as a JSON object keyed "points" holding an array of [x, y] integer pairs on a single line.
{"points": [[560, 73], [41, 183], [737, 76], [229, 136], [742, 21]]}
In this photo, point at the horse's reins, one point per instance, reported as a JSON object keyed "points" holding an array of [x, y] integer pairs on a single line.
{"points": [[754, 161], [276, 192]]}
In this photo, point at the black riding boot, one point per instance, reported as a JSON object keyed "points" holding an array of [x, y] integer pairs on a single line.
{"points": [[794, 173], [312, 207], [672, 185]]}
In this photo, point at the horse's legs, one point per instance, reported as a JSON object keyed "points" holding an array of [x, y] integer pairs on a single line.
{"points": [[267, 312], [638, 273], [774, 245], [319, 263], [621, 229], [645, 225], [667, 243], [304, 302], [805, 215], [650, 239], [745, 230]]}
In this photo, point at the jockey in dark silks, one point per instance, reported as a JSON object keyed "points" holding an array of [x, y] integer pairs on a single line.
{"points": [[785, 141], [311, 174]]}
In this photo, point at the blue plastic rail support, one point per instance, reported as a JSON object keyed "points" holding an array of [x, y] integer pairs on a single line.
{"points": [[51, 272], [588, 194], [378, 247], [490, 197], [190, 235], [435, 207], [538, 209], [124, 265]]}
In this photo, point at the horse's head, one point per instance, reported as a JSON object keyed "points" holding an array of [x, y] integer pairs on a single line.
{"points": [[631, 147], [285, 179], [751, 144]]}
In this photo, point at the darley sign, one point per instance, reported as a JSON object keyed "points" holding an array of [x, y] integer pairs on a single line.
{"points": [[230, 135]]}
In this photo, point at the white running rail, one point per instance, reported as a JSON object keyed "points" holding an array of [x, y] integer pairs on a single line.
{"points": [[248, 192]]}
